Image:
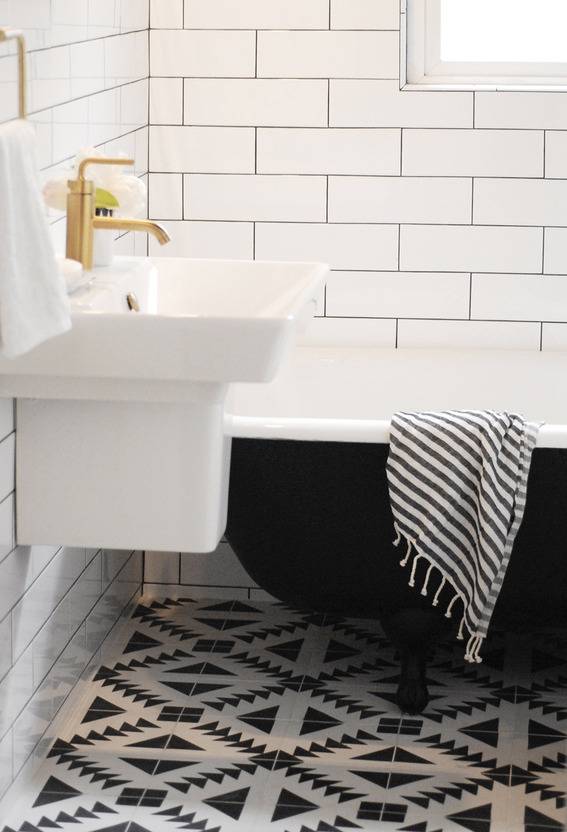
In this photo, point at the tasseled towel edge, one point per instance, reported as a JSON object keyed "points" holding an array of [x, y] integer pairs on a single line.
{"points": [[476, 641]]}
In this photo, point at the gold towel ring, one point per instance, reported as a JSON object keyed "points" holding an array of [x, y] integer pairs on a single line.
{"points": [[16, 34]]}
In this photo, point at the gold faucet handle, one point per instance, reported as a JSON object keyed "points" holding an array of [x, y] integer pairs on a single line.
{"points": [[95, 160]]}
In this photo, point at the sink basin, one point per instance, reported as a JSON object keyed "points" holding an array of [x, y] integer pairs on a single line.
{"points": [[198, 321], [120, 421]]}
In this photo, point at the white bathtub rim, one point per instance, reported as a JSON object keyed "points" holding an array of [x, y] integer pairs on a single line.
{"points": [[344, 430]]}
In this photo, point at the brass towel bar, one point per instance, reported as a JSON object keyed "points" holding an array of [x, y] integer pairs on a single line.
{"points": [[17, 35]]}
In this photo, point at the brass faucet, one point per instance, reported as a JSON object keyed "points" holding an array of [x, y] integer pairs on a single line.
{"points": [[82, 220]]}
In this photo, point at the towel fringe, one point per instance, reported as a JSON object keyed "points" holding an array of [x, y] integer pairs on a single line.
{"points": [[405, 561], [413, 569], [473, 649], [439, 591], [396, 542], [475, 642], [426, 582], [449, 613]]}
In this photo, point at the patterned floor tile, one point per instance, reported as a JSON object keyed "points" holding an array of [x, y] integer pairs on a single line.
{"points": [[223, 716]]}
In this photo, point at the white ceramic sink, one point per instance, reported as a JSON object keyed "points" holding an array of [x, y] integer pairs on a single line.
{"points": [[121, 440], [199, 321]]}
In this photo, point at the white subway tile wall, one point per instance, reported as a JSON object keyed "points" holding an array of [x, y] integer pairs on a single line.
{"points": [[89, 70], [285, 129]]}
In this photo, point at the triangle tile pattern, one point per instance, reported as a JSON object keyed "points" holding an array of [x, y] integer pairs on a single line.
{"points": [[227, 716]]}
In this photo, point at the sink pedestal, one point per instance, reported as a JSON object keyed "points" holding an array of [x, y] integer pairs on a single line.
{"points": [[123, 474]]}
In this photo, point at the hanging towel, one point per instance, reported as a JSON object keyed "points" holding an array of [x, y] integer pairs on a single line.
{"points": [[33, 298], [458, 482]]}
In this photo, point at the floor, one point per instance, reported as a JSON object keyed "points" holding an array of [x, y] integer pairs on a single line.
{"points": [[221, 716]]}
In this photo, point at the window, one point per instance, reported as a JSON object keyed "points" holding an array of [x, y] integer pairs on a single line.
{"points": [[489, 43]]}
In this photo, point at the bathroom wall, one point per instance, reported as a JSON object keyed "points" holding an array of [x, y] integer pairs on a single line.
{"points": [[88, 68], [278, 130]]}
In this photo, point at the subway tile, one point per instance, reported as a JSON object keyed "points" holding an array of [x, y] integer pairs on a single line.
{"points": [[15, 690], [166, 100], [16, 576], [165, 196], [555, 261], [33, 610], [134, 15], [519, 297], [7, 536], [6, 642], [521, 110], [397, 295], [178, 53], [472, 153], [257, 14], [220, 568], [470, 248], [6, 417], [520, 202], [268, 198], [556, 154], [7, 465], [161, 568], [328, 54], [419, 334], [126, 58], [365, 14], [166, 14], [113, 560], [208, 240], [554, 336], [399, 199], [6, 772], [256, 102], [367, 103], [342, 246], [30, 725], [87, 69], [133, 107], [202, 149], [70, 129], [352, 152], [349, 332]]}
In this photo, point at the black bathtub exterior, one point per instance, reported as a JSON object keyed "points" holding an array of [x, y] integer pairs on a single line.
{"points": [[311, 522]]}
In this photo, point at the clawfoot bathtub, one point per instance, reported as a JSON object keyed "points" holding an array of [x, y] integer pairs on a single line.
{"points": [[309, 513]]}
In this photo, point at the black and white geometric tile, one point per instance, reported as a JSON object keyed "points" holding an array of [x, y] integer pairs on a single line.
{"points": [[246, 716]]}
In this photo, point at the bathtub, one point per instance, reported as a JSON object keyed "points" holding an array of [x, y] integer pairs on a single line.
{"points": [[309, 515]]}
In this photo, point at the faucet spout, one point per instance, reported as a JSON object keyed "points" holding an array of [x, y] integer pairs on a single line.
{"points": [[123, 224]]}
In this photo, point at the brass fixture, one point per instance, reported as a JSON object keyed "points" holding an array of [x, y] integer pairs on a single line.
{"points": [[82, 221], [17, 35], [133, 302]]}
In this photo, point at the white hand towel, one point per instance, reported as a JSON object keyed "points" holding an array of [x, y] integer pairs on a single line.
{"points": [[33, 297]]}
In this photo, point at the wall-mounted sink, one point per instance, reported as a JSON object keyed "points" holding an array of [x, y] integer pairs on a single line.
{"points": [[120, 421], [198, 321]]}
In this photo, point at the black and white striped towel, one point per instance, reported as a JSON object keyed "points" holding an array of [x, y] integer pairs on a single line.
{"points": [[457, 482]]}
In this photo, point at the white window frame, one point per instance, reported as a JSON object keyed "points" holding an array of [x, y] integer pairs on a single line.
{"points": [[421, 59]]}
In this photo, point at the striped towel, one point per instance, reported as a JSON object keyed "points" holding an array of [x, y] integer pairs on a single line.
{"points": [[457, 482]]}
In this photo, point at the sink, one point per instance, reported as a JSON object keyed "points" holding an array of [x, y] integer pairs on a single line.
{"points": [[199, 321], [121, 442]]}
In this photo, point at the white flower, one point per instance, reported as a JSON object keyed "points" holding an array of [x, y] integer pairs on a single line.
{"points": [[55, 193], [129, 191]]}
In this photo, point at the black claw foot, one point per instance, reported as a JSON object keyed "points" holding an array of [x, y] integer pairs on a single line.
{"points": [[414, 632], [412, 695]]}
